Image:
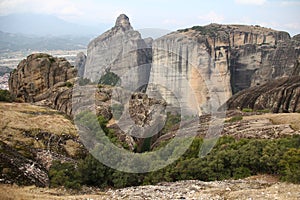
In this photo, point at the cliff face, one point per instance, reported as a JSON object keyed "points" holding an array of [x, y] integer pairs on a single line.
{"points": [[222, 59], [183, 63], [281, 95], [80, 63], [44, 79], [120, 50]]}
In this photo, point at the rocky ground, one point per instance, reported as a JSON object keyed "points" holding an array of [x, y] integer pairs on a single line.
{"points": [[31, 137], [255, 187]]}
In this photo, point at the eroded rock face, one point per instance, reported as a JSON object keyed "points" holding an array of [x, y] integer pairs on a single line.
{"points": [[281, 95], [44, 79], [80, 63], [31, 138], [218, 60], [132, 116], [120, 50]]}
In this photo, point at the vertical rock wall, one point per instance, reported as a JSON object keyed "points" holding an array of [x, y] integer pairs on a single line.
{"points": [[120, 50]]}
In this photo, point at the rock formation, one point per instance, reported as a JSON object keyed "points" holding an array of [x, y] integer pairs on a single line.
{"points": [[45, 79], [297, 37], [80, 63], [218, 60], [281, 95], [120, 50], [31, 138]]}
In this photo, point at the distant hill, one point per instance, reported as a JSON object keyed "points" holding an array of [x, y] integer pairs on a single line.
{"points": [[19, 42], [41, 25]]}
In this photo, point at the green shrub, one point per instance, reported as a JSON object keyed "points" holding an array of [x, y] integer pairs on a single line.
{"points": [[290, 163], [264, 111], [109, 78], [235, 119], [84, 81], [230, 158], [172, 121], [241, 172], [69, 84], [6, 96], [64, 174], [247, 110]]}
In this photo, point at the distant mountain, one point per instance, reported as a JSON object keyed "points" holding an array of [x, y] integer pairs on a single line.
{"points": [[41, 25], [19, 42]]}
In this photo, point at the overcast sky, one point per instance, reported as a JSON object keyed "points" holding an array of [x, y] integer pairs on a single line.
{"points": [[166, 14]]}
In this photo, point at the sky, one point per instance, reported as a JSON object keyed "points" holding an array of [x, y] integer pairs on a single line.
{"points": [[166, 14]]}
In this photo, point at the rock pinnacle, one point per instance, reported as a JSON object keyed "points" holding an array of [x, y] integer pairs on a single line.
{"points": [[123, 22]]}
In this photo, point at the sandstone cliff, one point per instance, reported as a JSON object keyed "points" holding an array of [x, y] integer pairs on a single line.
{"points": [[120, 50], [218, 60], [80, 63], [44, 79], [281, 95]]}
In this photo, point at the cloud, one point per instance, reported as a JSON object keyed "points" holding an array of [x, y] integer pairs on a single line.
{"points": [[92, 11], [251, 2], [293, 25], [290, 3], [59, 7], [211, 17]]}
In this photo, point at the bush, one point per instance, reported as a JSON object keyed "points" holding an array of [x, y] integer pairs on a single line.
{"points": [[247, 110], [6, 96], [230, 158], [109, 78], [235, 119], [172, 123], [69, 84], [291, 166], [264, 111], [94, 173], [64, 174], [84, 81]]}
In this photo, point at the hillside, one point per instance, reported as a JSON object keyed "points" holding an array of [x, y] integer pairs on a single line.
{"points": [[10, 42], [39, 135], [31, 138]]}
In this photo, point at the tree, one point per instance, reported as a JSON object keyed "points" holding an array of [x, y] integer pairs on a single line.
{"points": [[291, 165]]}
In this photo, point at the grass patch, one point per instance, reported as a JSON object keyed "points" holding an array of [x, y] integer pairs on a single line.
{"points": [[264, 111], [69, 84], [247, 110], [234, 119]]}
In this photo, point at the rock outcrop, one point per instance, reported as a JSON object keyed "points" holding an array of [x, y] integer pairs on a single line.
{"points": [[31, 138], [80, 63], [297, 37], [120, 50], [220, 60], [281, 95], [44, 79]]}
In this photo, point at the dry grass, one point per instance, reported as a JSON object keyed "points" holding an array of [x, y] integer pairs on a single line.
{"points": [[20, 119], [292, 119], [13, 192], [29, 117]]}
